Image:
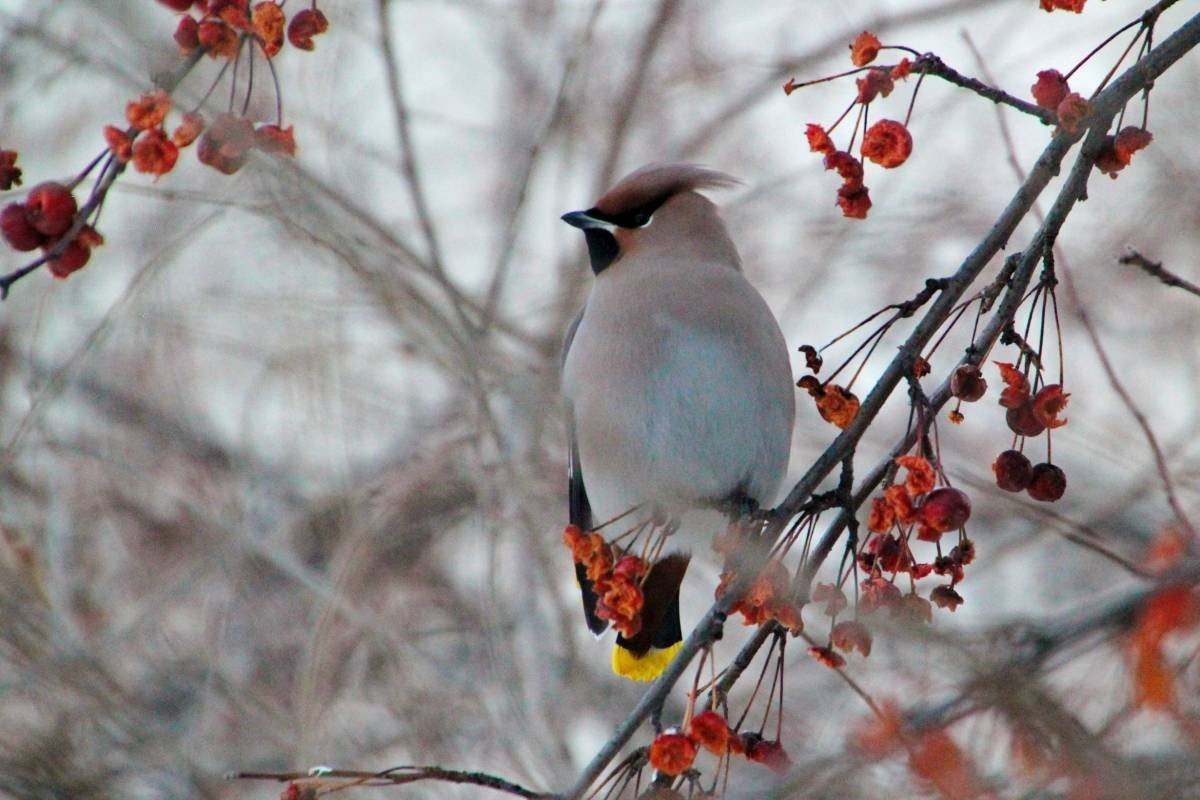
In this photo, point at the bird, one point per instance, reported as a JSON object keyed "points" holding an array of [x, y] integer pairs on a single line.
{"points": [[677, 383]]}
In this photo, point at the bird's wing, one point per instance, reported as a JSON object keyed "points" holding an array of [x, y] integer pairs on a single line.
{"points": [[578, 508]]}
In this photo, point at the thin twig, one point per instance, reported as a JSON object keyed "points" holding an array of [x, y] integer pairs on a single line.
{"points": [[1156, 269], [931, 64], [398, 776]]}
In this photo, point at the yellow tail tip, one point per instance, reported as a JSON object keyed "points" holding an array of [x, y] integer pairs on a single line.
{"points": [[642, 668]]}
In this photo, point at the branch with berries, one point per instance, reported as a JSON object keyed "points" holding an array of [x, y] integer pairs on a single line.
{"points": [[923, 506], [889, 144], [235, 33]]}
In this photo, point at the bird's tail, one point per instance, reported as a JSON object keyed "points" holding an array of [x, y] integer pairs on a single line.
{"points": [[644, 656]]}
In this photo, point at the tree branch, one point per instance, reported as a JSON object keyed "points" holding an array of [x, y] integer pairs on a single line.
{"points": [[931, 64], [1105, 105], [397, 776], [1156, 269]]}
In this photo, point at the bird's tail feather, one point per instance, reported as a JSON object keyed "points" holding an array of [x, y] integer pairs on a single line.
{"points": [[645, 656]]}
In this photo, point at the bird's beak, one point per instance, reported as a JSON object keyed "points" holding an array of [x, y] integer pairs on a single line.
{"points": [[583, 220]]}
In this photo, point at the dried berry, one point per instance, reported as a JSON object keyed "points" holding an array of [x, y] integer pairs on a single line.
{"points": [[833, 597], [1064, 5], [711, 731], [882, 516], [851, 635], [875, 83], [1130, 140], [1071, 111], [864, 49], [154, 153], [10, 173], [946, 597], [848, 167], [218, 39], [945, 509], [51, 208], [672, 752], [274, 139], [189, 129], [304, 26], [1048, 483], [226, 143], [827, 656], [818, 139], [17, 229], [768, 753], [1050, 89], [888, 143], [1016, 385], [1022, 421], [914, 609], [901, 502], [149, 110], [630, 568], [921, 476], [268, 21], [855, 201], [187, 35], [1013, 471], [73, 257], [119, 143], [1107, 160], [967, 383], [1048, 403]]}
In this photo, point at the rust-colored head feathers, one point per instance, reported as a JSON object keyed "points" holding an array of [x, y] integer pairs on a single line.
{"points": [[653, 184]]}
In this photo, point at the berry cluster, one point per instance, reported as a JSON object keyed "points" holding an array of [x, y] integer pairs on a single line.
{"points": [[886, 143], [1029, 415], [222, 24], [47, 220], [772, 596], [51, 219], [617, 581], [673, 751]]}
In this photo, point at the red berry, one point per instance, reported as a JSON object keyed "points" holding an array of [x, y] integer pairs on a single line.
{"points": [[1022, 421], [1050, 89], [187, 34], [51, 208], [630, 568], [177, 5], [967, 383], [1048, 483], [945, 509], [1013, 471], [304, 26], [18, 230], [73, 257], [946, 597], [226, 143]]}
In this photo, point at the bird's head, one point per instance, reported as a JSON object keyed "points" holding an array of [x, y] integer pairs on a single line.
{"points": [[625, 218]]}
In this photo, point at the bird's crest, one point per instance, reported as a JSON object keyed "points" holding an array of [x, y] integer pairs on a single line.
{"points": [[654, 184]]}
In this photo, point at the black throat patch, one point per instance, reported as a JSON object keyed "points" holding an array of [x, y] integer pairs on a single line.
{"points": [[602, 249]]}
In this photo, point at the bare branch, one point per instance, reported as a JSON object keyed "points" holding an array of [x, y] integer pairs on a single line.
{"points": [[1156, 269], [396, 776], [930, 64]]}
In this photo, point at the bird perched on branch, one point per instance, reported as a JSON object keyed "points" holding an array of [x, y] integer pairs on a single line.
{"points": [[677, 380]]}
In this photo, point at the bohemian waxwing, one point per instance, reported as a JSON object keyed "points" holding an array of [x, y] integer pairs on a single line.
{"points": [[677, 380]]}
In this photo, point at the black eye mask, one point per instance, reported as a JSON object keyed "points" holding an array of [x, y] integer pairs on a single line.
{"points": [[603, 249]]}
